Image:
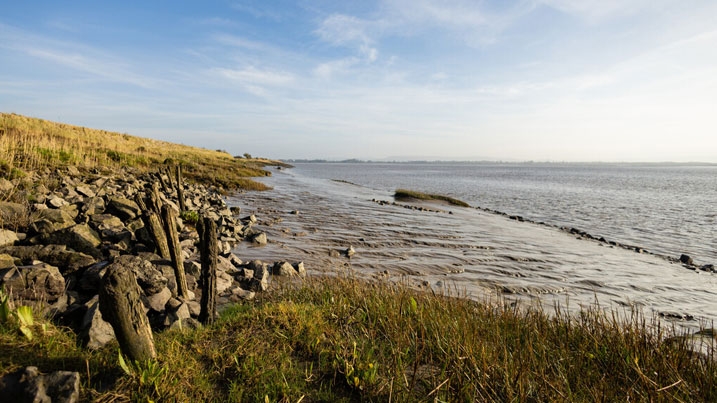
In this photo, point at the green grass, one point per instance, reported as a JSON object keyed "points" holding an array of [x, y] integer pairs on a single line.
{"points": [[339, 339], [403, 194]]}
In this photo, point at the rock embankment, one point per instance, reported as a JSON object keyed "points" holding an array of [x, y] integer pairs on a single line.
{"points": [[56, 246]]}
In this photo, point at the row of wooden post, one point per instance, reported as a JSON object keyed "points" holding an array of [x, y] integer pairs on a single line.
{"points": [[120, 302]]}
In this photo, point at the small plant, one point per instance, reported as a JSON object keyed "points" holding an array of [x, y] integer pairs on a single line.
{"points": [[23, 316], [189, 216], [147, 375]]}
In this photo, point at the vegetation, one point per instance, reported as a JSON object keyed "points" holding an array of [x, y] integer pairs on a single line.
{"points": [[403, 194], [336, 338], [340, 339], [27, 144]]}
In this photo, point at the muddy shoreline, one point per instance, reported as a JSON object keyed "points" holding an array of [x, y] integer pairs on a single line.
{"points": [[472, 251]]}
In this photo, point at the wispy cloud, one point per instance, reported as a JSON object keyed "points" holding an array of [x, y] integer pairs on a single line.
{"points": [[254, 80], [76, 56]]}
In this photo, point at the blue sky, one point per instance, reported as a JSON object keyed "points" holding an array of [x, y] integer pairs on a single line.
{"points": [[556, 80]]}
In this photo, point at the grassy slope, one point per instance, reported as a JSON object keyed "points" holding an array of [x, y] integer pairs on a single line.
{"points": [[27, 144], [341, 339]]}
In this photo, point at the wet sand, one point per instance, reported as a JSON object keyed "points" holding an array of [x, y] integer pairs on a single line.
{"points": [[465, 250]]}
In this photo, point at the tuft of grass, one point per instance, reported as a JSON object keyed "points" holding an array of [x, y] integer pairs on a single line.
{"points": [[404, 194], [342, 339]]}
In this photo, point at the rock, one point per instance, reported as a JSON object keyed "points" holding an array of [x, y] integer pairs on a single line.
{"points": [[259, 239], [350, 251], [7, 237], [51, 220], [299, 267], [92, 278], [93, 205], [195, 308], [192, 268], [79, 237], [39, 282], [177, 315], [243, 294], [85, 190], [12, 212], [260, 281], [6, 261], [95, 331], [124, 208], [56, 202], [150, 279], [224, 281], [251, 219], [57, 255], [106, 221], [158, 301], [686, 259], [29, 385], [235, 210], [283, 269]]}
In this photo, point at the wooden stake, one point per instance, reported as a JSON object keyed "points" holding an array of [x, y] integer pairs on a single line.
{"points": [[180, 190], [121, 306], [207, 229], [175, 250]]}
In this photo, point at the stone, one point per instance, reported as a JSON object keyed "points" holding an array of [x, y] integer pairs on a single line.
{"points": [[93, 205], [179, 314], [150, 279], [95, 331], [283, 269], [158, 300], [6, 261], [85, 190], [224, 281], [39, 282], [192, 268], [51, 220], [11, 212], [235, 210], [243, 294], [56, 202], [350, 251], [106, 221], [57, 255], [260, 281], [299, 267], [7, 237], [92, 278], [29, 385], [259, 239], [80, 238], [686, 259], [125, 209]]}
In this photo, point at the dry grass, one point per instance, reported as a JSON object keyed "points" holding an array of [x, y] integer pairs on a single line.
{"points": [[28, 144]]}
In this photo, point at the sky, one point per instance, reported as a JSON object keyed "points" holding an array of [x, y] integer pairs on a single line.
{"points": [[538, 80]]}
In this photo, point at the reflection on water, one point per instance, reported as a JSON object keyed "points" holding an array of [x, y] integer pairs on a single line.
{"points": [[468, 250]]}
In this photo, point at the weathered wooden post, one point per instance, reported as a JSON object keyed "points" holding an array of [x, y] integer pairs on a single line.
{"points": [[175, 250], [154, 226], [208, 249], [121, 306], [155, 201], [180, 189]]}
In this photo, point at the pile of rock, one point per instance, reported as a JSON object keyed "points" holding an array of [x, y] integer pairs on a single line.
{"points": [[55, 249]]}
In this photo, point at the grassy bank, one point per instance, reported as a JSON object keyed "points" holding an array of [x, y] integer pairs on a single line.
{"points": [[348, 340], [28, 144], [404, 194]]}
